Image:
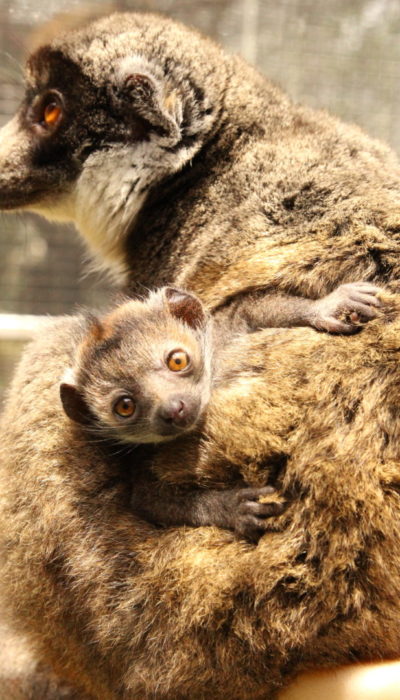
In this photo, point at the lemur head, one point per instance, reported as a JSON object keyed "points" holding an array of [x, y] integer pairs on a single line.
{"points": [[143, 372], [110, 111]]}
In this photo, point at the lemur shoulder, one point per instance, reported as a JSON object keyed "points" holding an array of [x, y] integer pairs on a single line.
{"points": [[182, 165]]}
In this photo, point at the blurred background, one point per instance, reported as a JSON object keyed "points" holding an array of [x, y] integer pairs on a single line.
{"points": [[342, 55]]}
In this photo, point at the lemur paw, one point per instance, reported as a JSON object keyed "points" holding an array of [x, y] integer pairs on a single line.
{"points": [[253, 508], [347, 307]]}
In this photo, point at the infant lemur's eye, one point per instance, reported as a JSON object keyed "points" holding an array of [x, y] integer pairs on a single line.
{"points": [[178, 360], [125, 407]]}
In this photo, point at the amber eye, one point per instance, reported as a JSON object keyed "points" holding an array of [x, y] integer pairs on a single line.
{"points": [[52, 113], [125, 407], [178, 360], [48, 111]]}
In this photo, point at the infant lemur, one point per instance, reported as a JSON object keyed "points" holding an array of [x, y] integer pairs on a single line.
{"points": [[144, 373]]}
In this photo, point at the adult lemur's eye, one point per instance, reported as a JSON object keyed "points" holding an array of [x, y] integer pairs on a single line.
{"points": [[125, 407], [52, 113], [48, 111], [178, 360]]}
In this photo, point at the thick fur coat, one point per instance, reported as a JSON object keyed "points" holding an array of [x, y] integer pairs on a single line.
{"points": [[126, 610], [249, 192]]}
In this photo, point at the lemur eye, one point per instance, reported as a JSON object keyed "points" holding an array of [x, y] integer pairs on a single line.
{"points": [[48, 111], [125, 407], [52, 113], [177, 360]]}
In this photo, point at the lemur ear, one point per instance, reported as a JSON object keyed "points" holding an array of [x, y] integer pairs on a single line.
{"points": [[185, 307], [150, 95], [73, 403]]}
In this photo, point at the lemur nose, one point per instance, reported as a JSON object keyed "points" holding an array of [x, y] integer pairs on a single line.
{"points": [[174, 411]]}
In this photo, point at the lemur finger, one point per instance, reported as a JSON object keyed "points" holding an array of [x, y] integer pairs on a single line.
{"points": [[375, 288], [334, 325], [365, 285], [364, 310], [254, 494], [252, 524], [264, 510], [365, 298]]}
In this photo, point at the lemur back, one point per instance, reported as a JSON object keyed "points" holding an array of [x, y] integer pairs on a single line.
{"points": [[181, 164]]}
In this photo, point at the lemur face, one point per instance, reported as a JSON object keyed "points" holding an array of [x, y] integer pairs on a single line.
{"points": [[109, 112], [143, 372], [64, 118]]}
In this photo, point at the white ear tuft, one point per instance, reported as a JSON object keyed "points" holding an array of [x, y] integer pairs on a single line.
{"points": [[68, 377]]}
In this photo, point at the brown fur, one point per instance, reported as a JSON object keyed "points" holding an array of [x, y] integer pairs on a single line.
{"points": [[129, 611], [130, 365], [21, 678], [281, 198]]}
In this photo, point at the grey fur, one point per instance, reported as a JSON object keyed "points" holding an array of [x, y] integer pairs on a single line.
{"points": [[257, 194]]}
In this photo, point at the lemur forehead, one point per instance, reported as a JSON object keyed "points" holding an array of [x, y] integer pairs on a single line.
{"points": [[34, 72], [130, 310], [39, 66], [100, 48], [49, 67], [151, 317]]}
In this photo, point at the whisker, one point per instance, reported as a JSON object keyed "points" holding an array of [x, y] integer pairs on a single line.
{"points": [[10, 70], [96, 436]]}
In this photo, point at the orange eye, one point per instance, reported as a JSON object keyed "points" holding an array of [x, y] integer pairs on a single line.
{"points": [[125, 407], [178, 360], [52, 114]]}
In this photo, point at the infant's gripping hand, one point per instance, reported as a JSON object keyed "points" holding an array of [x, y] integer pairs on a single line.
{"points": [[246, 510], [341, 311], [346, 308]]}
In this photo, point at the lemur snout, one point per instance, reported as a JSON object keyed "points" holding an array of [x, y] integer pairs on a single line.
{"points": [[174, 411], [177, 412]]}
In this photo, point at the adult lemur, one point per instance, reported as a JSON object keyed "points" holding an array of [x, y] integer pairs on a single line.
{"points": [[181, 164]]}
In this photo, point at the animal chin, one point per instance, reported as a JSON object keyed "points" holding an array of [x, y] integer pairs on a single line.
{"points": [[173, 430]]}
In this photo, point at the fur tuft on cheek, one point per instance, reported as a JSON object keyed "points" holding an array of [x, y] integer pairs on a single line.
{"points": [[111, 190]]}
